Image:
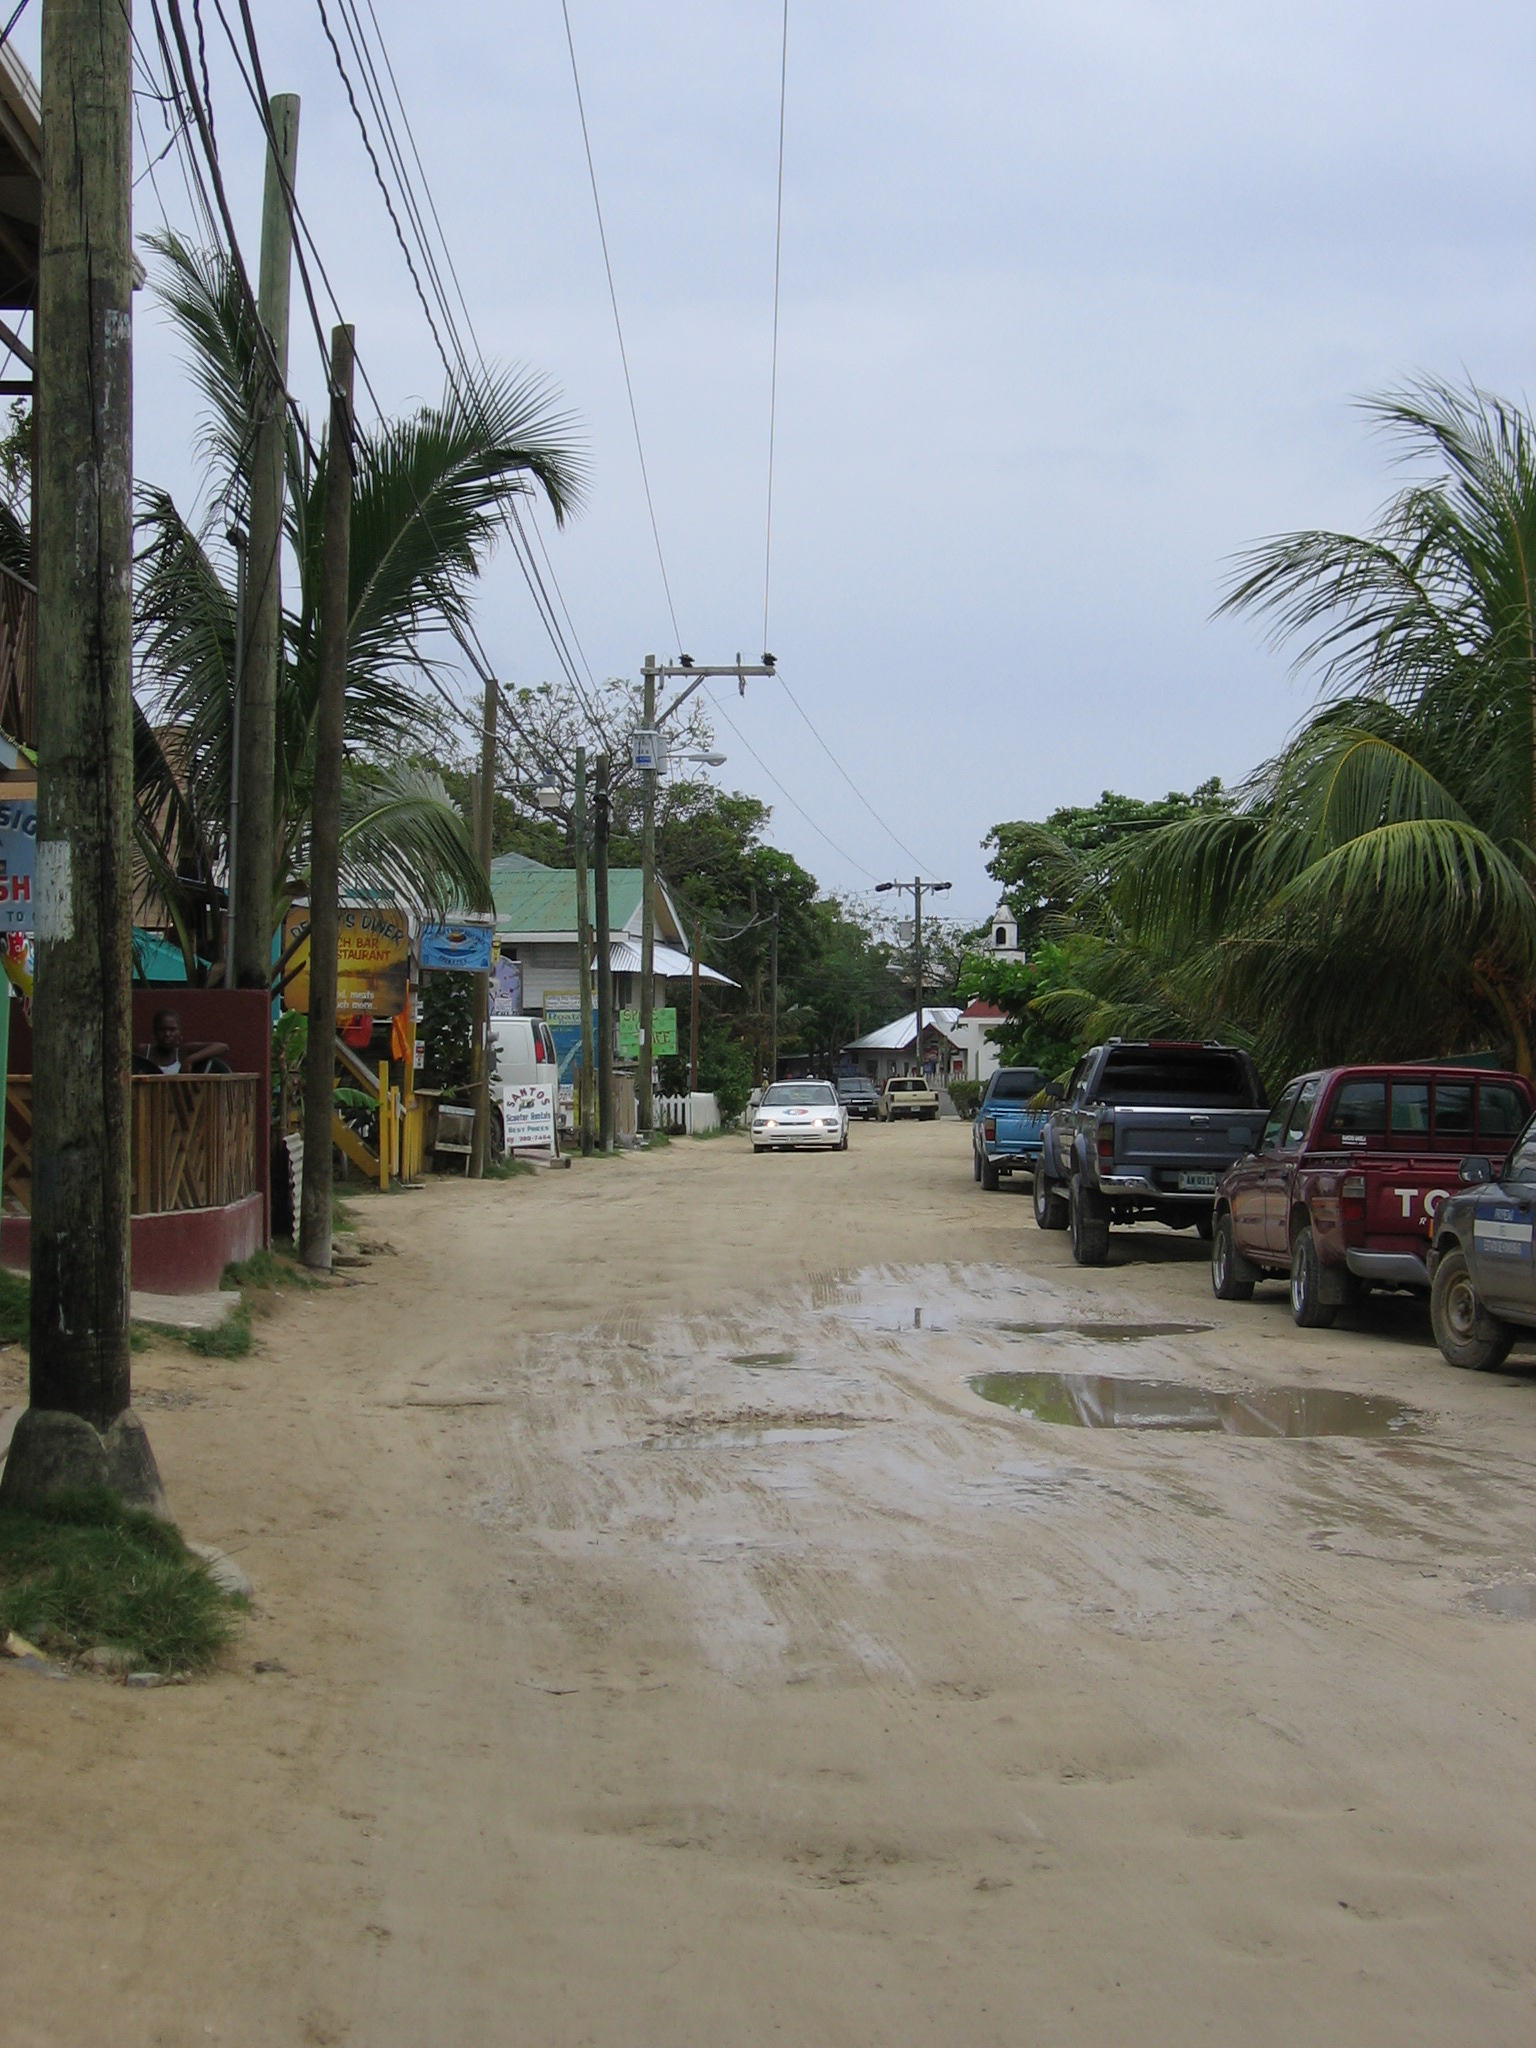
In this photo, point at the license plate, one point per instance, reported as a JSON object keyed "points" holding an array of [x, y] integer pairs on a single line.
{"points": [[1197, 1183]]}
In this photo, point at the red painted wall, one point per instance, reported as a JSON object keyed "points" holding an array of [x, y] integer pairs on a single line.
{"points": [[240, 1017]]}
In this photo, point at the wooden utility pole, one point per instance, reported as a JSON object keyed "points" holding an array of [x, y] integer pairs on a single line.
{"points": [[264, 602], [917, 963], [645, 1116], [773, 997], [79, 1429], [485, 819], [325, 822], [588, 1089], [693, 1040], [604, 964]]}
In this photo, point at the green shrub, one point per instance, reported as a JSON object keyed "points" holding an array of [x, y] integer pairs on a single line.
{"points": [[966, 1096]]}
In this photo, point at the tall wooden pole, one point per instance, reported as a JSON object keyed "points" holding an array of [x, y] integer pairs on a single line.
{"points": [[773, 998], [917, 963], [485, 818], [588, 1092], [693, 1041], [645, 1116], [264, 601], [80, 1429], [325, 821], [604, 964]]}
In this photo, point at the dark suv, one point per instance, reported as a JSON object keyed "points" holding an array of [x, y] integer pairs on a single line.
{"points": [[856, 1092]]}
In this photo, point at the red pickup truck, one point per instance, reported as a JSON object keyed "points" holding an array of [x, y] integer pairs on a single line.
{"points": [[1353, 1163]]}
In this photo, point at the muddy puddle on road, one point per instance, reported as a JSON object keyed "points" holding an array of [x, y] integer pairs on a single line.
{"points": [[1103, 1401]]}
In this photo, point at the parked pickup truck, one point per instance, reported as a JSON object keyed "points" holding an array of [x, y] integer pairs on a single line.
{"points": [[1005, 1138], [907, 1095], [1147, 1129], [1341, 1192]]}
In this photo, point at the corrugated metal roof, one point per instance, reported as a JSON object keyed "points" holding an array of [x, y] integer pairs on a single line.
{"points": [[895, 1037], [624, 958], [534, 902]]}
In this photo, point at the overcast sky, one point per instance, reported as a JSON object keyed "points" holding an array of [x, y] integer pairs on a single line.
{"points": [[1076, 303]]}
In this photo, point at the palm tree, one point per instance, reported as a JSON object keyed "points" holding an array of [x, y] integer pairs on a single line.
{"points": [[1372, 890], [429, 493]]}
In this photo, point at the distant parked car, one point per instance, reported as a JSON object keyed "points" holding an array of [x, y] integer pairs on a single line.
{"points": [[1006, 1135], [794, 1114], [907, 1095], [1351, 1169], [858, 1095]]}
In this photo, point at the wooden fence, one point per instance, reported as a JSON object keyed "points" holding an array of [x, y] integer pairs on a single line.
{"points": [[194, 1141]]}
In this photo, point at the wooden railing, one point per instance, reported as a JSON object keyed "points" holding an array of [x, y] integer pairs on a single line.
{"points": [[194, 1141], [18, 658]]}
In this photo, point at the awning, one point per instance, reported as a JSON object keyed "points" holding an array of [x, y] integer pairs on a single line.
{"points": [[668, 961]]}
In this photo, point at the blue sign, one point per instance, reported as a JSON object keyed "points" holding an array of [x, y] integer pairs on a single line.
{"points": [[461, 948]]}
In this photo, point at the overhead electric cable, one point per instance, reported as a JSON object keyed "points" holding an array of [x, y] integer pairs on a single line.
{"points": [[773, 380], [863, 799], [841, 851], [613, 300]]}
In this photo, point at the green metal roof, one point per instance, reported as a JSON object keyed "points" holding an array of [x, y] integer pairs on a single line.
{"points": [[531, 899]]}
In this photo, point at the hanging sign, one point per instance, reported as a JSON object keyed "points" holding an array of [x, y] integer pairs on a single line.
{"points": [[629, 1035], [664, 1033], [648, 752], [507, 988], [461, 948]]}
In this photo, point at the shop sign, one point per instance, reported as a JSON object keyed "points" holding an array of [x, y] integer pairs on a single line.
{"points": [[372, 961], [629, 1035], [456, 948], [664, 1032], [528, 1117], [18, 849]]}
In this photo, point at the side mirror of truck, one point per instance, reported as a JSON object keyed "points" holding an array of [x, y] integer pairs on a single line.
{"points": [[1475, 1169]]}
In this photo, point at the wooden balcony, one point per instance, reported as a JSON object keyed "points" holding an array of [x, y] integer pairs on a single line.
{"points": [[194, 1142]]}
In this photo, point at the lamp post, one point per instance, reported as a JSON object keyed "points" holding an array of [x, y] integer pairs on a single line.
{"points": [[915, 889]]}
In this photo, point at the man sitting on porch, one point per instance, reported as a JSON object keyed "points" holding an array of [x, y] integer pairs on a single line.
{"points": [[166, 1054]]}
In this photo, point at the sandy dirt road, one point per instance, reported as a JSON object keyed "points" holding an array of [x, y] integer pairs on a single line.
{"points": [[676, 1649]]}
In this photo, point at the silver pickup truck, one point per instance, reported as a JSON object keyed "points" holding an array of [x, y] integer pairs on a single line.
{"points": [[1147, 1129]]}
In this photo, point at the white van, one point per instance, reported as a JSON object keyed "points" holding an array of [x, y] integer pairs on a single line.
{"points": [[524, 1049]]}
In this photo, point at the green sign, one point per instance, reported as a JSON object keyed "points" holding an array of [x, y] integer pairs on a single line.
{"points": [[664, 1030], [629, 1035]]}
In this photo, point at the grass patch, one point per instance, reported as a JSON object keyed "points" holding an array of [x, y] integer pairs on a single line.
{"points": [[230, 1338], [15, 1307], [507, 1169], [83, 1571], [655, 1140], [270, 1269]]}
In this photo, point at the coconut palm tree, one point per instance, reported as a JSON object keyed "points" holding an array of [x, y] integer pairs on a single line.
{"points": [[1371, 892], [429, 492]]}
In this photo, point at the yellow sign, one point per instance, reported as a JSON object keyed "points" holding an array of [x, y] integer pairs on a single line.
{"points": [[372, 961]]}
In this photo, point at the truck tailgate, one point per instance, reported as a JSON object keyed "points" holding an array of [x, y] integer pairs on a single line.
{"points": [[1402, 1195], [1190, 1138], [1018, 1129]]}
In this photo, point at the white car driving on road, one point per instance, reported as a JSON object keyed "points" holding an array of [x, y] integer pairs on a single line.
{"points": [[794, 1113]]}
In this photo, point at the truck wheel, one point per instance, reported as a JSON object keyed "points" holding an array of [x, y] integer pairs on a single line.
{"points": [[498, 1137], [1204, 1228], [1089, 1225], [975, 1164], [989, 1174], [1050, 1209], [1232, 1277], [1467, 1334], [1308, 1310]]}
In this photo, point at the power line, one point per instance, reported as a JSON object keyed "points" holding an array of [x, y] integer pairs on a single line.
{"points": [[863, 799], [773, 382], [613, 299], [841, 851]]}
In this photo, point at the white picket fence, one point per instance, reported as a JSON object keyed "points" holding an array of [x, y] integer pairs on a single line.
{"points": [[690, 1114]]}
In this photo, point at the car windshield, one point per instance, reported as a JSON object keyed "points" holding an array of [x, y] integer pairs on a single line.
{"points": [[858, 1085], [1015, 1084], [800, 1095], [906, 1087]]}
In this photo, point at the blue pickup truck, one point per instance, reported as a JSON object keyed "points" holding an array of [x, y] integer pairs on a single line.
{"points": [[1007, 1133]]}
